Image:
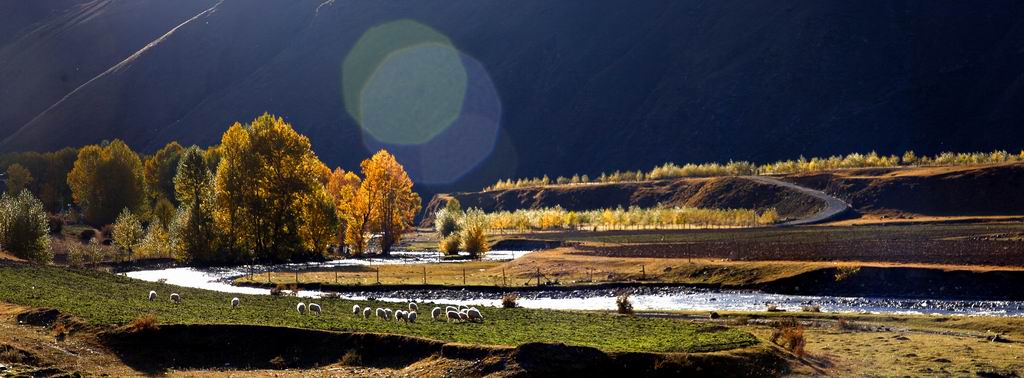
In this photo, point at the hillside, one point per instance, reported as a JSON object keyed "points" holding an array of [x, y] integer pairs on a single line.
{"points": [[971, 190], [574, 86], [719, 192]]}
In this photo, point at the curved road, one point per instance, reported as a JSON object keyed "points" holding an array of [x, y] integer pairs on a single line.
{"points": [[834, 207]]}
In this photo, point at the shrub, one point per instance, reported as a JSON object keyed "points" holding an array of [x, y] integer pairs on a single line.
{"points": [[146, 322], [473, 226], [77, 255], [56, 224], [446, 222], [23, 227], [789, 334], [509, 300], [450, 245], [625, 306], [127, 231], [107, 231], [810, 308], [87, 235]]}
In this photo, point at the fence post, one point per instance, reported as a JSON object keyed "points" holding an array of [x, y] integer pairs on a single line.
{"points": [[296, 277], [538, 276], [335, 275], [378, 274], [463, 276], [504, 282], [643, 273], [424, 275]]}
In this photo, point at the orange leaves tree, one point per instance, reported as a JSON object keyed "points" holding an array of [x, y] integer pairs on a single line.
{"points": [[384, 204]]}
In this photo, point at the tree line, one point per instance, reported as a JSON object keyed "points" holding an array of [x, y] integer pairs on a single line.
{"points": [[262, 194], [745, 168]]}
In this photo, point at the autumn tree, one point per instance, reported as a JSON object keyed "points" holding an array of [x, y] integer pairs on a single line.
{"points": [[194, 228], [18, 178], [342, 187], [472, 227], [23, 228], [159, 171], [127, 232], [106, 179], [267, 172], [391, 203]]}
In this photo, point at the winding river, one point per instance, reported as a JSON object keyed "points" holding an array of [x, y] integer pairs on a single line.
{"points": [[643, 298]]}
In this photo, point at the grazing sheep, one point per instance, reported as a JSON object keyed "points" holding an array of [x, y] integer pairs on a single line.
{"points": [[463, 316], [388, 313], [367, 312], [475, 314], [411, 317], [453, 315], [463, 308], [400, 315], [152, 295], [413, 306], [175, 298], [301, 308], [451, 308], [314, 308], [381, 314], [235, 302], [435, 313], [356, 311]]}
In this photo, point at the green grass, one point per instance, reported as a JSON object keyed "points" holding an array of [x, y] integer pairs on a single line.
{"points": [[105, 299]]}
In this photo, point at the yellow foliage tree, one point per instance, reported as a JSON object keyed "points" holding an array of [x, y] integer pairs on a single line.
{"points": [[159, 171], [266, 174], [342, 187], [18, 178], [107, 179]]}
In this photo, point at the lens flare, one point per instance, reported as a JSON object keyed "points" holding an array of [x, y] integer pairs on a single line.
{"points": [[404, 83], [461, 147]]}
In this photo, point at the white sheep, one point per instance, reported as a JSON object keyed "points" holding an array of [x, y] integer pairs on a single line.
{"points": [[435, 314], [235, 302], [463, 316], [314, 308], [301, 308], [411, 317], [399, 315], [453, 315], [175, 298], [475, 314], [388, 313], [152, 295], [356, 311], [463, 308], [451, 308], [367, 312], [413, 306], [381, 314]]}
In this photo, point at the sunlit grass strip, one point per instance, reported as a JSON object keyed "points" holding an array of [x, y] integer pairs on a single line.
{"points": [[744, 168], [105, 299], [632, 218]]}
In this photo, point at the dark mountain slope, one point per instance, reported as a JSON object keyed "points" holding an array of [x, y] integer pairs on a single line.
{"points": [[585, 86], [49, 48]]}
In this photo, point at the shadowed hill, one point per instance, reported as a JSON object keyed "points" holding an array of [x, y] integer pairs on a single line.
{"points": [[585, 86], [718, 192]]}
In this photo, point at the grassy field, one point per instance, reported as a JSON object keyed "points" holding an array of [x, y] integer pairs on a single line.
{"points": [[104, 299]]}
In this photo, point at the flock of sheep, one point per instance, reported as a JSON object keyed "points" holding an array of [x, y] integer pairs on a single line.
{"points": [[450, 313], [176, 298]]}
